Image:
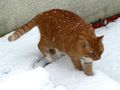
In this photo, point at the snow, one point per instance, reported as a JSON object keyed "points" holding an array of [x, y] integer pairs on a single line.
{"points": [[75, 80], [17, 58], [110, 61], [37, 79]]}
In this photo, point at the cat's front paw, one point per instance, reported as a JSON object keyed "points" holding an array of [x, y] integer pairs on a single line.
{"points": [[89, 73]]}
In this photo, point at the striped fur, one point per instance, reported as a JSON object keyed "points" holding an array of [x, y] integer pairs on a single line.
{"points": [[67, 32], [24, 29]]}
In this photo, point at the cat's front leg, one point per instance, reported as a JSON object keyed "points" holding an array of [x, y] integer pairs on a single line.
{"points": [[77, 63], [88, 69], [87, 65]]}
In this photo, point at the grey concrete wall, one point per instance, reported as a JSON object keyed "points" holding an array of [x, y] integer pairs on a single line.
{"points": [[14, 13]]}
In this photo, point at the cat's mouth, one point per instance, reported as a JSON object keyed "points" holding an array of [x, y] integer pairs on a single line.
{"points": [[93, 58]]}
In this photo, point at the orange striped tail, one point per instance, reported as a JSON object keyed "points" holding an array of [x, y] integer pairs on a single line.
{"points": [[24, 29]]}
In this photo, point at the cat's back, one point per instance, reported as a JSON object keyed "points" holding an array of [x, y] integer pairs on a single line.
{"points": [[60, 15], [63, 18]]}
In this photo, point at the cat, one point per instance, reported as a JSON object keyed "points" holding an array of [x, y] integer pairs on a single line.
{"points": [[69, 33]]}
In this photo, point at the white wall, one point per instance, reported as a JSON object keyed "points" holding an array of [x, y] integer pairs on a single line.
{"points": [[14, 13]]}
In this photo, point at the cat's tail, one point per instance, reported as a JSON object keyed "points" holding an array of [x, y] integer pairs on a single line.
{"points": [[24, 29]]}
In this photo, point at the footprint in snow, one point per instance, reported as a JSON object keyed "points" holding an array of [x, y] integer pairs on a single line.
{"points": [[5, 71]]}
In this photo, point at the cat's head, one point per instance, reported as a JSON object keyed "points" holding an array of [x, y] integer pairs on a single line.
{"points": [[92, 48]]}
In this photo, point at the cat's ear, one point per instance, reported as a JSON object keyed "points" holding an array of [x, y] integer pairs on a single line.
{"points": [[100, 38], [86, 44]]}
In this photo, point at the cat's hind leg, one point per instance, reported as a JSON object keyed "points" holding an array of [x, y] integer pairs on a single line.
{"points": [[45, 53]]}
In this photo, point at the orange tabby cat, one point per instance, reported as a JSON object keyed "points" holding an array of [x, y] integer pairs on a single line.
{"points": [[67, 32]]}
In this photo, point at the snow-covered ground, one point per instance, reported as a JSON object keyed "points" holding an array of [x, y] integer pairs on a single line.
{"points": [[17, 58]]}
